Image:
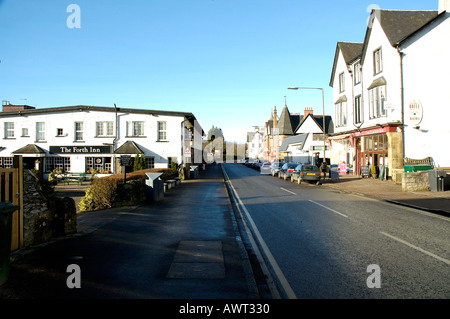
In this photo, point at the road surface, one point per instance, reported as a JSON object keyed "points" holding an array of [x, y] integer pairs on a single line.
{"points": [[320, 243]]}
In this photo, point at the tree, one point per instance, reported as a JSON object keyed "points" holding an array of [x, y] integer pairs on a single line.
{"points": [[139, 163]]}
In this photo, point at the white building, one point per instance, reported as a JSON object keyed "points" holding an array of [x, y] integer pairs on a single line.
{"points": [[80, 138], [307, 145], [255, 144], [382, 84]]}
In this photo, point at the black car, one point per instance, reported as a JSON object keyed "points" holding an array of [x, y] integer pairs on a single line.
{"points": [[286, 170], [306, 172]]}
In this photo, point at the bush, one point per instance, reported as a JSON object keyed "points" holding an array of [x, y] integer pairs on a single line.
{"points": [[100, 195]]}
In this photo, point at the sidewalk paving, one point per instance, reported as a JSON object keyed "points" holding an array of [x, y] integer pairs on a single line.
{"points": [[437, 202], [186, 246]]}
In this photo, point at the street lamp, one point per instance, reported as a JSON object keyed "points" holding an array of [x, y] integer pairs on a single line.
{"points": [[323, 110]]}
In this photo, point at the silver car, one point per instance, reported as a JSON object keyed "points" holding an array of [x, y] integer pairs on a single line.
{"points": [[275, 167]]}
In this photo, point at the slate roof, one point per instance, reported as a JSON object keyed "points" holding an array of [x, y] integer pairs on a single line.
{"points": [[329, 126], [129, 147], [398, 25], [288, 122], [29, 149], [297, 139], [350, 51]]}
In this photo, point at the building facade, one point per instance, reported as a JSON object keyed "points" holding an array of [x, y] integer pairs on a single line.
{"points": [[381, 83], [85, 138]]}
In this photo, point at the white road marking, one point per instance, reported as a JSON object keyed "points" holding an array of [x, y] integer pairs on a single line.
{"points": [[276, 268], [286, 190], [417, 248], [334, 211]]}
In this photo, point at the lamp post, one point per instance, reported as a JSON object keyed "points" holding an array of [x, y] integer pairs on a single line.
{"points": [[323, 110]]}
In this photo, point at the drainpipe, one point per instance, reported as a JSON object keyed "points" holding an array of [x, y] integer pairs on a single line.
{"points": [[114, 142], [402, 96]]}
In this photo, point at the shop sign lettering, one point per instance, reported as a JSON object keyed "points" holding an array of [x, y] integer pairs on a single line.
{"points": [[80, 149]]}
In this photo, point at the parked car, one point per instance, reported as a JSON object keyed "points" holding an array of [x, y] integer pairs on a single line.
{"points": [[306, 172], [286, 170], [275, 167], [264, 168]]}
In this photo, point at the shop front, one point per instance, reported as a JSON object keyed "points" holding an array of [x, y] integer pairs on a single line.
{"points": [[79, 159], [379, 149]]}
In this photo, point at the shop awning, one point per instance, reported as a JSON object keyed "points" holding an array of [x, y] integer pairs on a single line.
{"points": [[30, 150], [129, 147]]}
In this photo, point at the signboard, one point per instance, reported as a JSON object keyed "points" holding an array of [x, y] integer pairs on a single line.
{"points": [[126, 161], [187, 152], [365, 171], [100, 149], [414, 113]]}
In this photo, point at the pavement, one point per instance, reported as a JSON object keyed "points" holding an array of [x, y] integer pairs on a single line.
{"points": [[434, 202], [187, 246]]}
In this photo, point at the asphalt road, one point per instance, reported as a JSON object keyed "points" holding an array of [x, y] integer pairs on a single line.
{"points": [[320, 243]]}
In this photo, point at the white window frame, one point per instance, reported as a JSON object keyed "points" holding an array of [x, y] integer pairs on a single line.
{"points": [[105, 128], [341, 82], [135, 128], [358, 115], [9, 129], [357, 73], [341, 114], [40, 131], [377, 98], [25, 132], [78, 131], [377, 61], [162, 131]]}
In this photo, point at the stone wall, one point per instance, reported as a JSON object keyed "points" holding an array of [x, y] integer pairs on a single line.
{"points": [[45, 218], [415, 181]]}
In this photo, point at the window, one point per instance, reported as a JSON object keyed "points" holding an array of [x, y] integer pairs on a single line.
{"points": [[162, 134], [341, 114], [40, 131], [25, 132], [102, 165], [59, 132], [6, 162], [9, 130], [135, 128], [341, 82], [357, 73], [78, 131], [61, 163], [377, 61], [105, 128], [357, 111], [377, 98], [150, 162]]}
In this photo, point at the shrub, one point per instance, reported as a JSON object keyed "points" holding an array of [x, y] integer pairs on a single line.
{"points": [[100, 195]]}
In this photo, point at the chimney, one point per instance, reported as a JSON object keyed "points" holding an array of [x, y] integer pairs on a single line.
{"points": [[308, 110], [444, 5], [275, 118]]}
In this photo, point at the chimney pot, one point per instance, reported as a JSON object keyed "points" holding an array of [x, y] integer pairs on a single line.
{"points": [[307, 111]]}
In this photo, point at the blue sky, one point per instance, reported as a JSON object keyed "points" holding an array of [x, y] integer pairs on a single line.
{"points": [[227, 61]]}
